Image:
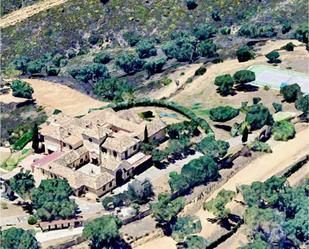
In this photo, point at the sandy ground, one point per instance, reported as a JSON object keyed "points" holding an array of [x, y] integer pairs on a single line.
{"points": [[160, 243], [26, 12], [56, 96], [9, 98], [237, 240]]}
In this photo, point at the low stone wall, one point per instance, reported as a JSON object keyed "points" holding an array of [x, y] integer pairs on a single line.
{"points": [[69, 243]]}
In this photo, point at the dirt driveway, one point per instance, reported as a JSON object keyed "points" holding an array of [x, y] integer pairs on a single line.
{"points": [[56, 96]]}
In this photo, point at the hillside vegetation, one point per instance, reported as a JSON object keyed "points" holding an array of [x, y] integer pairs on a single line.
{"points": [[71, 24]]}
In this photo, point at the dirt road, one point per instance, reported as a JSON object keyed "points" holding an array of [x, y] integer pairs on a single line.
{"points": [[26, 12], [56, 96]]}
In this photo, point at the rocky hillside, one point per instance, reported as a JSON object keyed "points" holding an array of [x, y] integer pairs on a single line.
{"points": [[77, 23]]}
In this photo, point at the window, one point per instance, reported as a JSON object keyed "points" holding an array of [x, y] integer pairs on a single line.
{"points": [[90, 139], [103, 150], [70, 146], [115, 153], [135, 147], [126, 154]]}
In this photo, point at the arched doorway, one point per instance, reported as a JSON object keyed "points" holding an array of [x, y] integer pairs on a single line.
{"points": [[119, 177]]}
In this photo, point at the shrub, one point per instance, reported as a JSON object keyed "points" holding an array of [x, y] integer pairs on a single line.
{"points": [[21, 63], [112, 89], [145, 49], [277, 107], [52, 70], [302, 33], [290, 92], [132, 38], [204, 31], [283, 130], [166, 81], [200, 71], [21, 89], [102, 57], [256, 100], [302, 104], [71, 53], [244, 76], [273, 57], [223, 113], [154, 66], [90, 73], [129, 63], [191, 4], [259, 146], [257, 116], [32, 220], [21, 142], [225, 30], [254, 31], [215, 15], [225, 83], [93, 39], [35, 66], [286, 27], [57, 58], [206, 48], [195, 242], [244, 54], [289, 46], [248, 30]]}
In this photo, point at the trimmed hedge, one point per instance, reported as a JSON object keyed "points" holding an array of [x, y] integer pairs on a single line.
{"points": [[21, 143], [160, 103]]}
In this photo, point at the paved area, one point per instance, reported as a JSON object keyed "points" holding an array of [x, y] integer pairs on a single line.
{"points": [[277, 77], [58, 234]]}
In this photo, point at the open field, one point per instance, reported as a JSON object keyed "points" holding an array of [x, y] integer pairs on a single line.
{"points": [[56, 96], [26, 12]]}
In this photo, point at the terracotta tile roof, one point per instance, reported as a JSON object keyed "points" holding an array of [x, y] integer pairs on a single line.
{"points": [[120, 143]]}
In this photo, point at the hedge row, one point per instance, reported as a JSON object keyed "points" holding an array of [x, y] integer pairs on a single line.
{"points": [[21, 143], [161, 103]]}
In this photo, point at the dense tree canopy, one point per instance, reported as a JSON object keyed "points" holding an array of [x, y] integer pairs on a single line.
{"points": [[90, 73], [103, 232], [51, 200], [22, 183], [273, 57], [194, 242], [145, 48], [225, 84], [257, 116], [140, 191], [302, 104], [113, 89], [185, 226], [283, 130], [214, 148], [21, 89], [102, 57], [244, 54], [17, 238], [154, 66], [244, 76], [223, 113], [206, 48], [290, 92], [129, 63]]}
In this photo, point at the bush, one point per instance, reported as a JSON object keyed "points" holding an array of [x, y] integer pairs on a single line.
{"points": [[21, 89], [132, 38], [244, 54], [223, 113], [93, 39], [254, 31], [21, 143], [200, 71], [204, 31], [195, 242], [155, 66], [71, 53], [302, 104], [21, 63], [112, 89], [57, 58], [32, 220], [290, 92], [129, 63], [289, 46], [225, 83], [256, 100], [191, 4], [257, 116], [206, 48], [225, 30], [283, 130], [215, 15], [286, 27], [145, 49], [90, 73], [259, 146], [244, 76], [273, 57], [302, 33], [277, 107], [35, 66], [52, 70], [102, 57]]}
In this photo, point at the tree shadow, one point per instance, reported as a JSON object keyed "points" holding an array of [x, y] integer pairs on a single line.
{"points": [[246, 88], [27, 207], [223, 127]]}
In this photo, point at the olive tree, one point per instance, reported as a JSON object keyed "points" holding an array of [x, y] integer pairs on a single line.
{"points": [[223, 113], [244, 54], [21, 89], [225, 84]]}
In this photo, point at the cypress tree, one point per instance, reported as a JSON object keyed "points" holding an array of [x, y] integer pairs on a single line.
{"points": [[35, 138]]}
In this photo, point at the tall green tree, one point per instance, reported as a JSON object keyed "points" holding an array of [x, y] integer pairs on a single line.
{"points": [[103, 232], [214, 148], [22, 183], [17, 238], [35, 138], [225, 84]]}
